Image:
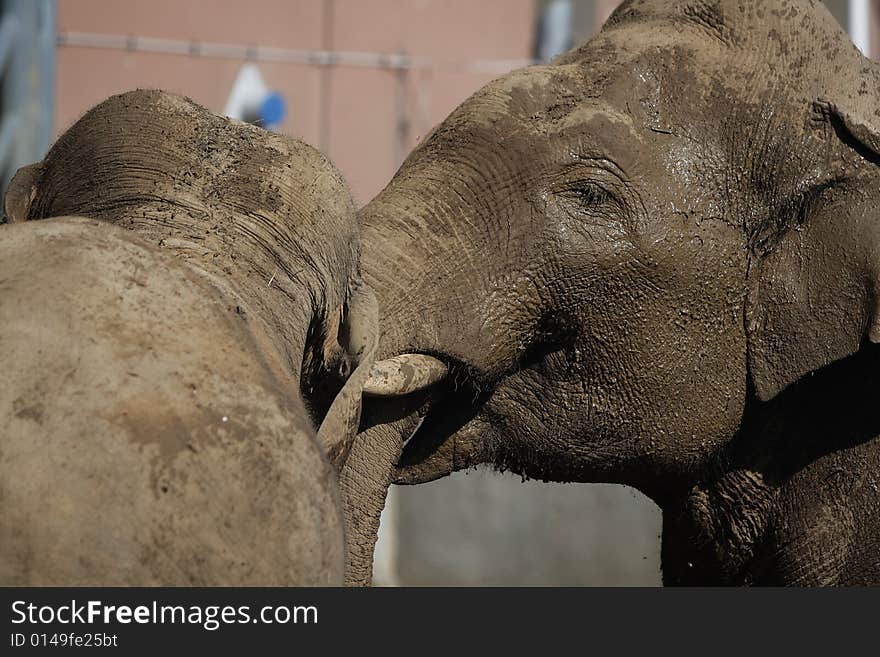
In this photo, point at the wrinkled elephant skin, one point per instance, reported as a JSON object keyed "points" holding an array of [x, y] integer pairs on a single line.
{"points": [[654, 261], [182, 326]]}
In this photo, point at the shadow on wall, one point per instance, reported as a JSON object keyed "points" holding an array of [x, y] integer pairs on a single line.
{"points": [[484, 528]]}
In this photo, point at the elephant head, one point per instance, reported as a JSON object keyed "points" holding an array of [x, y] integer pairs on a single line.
{"points": [[243, 343], [617, 253]]}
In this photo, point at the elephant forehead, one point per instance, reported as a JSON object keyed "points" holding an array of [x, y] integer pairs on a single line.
{"points": [[754, 46], [742, 24], [535, 94], [631, 85], [605, 125]]}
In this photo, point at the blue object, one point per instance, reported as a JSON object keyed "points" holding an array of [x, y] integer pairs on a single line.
{"points": [[272, 110]]}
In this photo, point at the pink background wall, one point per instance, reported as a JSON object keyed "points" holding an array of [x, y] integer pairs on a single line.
{"points": [[361, 132]]}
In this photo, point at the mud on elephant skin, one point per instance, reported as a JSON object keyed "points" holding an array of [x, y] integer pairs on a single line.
{"points": [[184, 315], [641, 264]]}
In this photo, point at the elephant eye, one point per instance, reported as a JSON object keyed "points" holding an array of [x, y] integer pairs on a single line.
{"points": [[589, 194]]}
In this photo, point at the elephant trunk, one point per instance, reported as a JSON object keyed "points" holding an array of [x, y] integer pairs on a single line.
{"points": [[413, 269], [419, 274], [394, 275], [364, 482], [430, 252], [424, 245]]}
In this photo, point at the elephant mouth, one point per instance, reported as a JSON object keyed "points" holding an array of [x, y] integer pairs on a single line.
{"points": [[443, 400]]}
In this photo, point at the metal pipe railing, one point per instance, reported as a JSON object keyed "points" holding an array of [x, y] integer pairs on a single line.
{"points": [[244, 52]]}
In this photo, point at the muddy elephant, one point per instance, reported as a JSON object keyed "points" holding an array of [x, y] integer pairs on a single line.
{"points": [[655, 262], [185, 338]]}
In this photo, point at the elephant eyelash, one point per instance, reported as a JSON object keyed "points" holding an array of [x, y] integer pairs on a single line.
{"points": [[590, 195], [593, 199]]}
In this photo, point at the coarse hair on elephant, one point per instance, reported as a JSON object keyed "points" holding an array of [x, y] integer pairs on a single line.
{"points": [[184, 337], [655, 261]]}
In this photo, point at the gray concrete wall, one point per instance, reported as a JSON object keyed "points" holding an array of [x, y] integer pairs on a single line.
{"points": [[485, 528]]}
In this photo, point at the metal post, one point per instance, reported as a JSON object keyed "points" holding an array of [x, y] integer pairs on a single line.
{"points": [[27, 82], [859, 26]]}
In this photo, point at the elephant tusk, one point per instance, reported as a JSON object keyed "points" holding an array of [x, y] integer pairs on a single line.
{"points": [[404, 374]]}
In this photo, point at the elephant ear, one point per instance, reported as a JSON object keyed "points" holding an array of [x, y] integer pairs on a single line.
{"points": [[357, 331], [814, 289], [21, 192]]}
